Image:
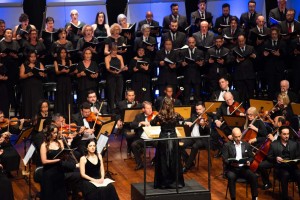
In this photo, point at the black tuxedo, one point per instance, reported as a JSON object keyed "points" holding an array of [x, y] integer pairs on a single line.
{"points": [[97, 105], [192, 74], [141, 23], [248, 22], [196, 15], [167, 76], [221, 21], [216, 70], [244, 73], [229, 151], [228, 32], [182, 23], [215, 95], [179, 42], [285, 171], [274, 66], [122, 105]]}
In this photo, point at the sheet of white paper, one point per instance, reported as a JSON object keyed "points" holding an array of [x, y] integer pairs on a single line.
{"points": [[29, 154], [101, 143]]}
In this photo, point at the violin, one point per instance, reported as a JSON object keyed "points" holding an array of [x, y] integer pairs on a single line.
{"points": [[69, 128], [266, 116], [152, 115], [10, 122], [94, 118], [236, 109]]}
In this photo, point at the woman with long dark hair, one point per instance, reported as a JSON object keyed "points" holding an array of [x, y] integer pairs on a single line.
{"points": [[167, 152], [92, 170], [63, 70], [53, 184], [101, 28]]}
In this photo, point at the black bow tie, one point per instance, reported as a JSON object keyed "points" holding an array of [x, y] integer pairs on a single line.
{"points": [[224, 90]]}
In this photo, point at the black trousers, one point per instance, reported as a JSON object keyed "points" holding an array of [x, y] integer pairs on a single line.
{"points": [[187, 92], [263, 170], [284, 174], [137, 148], [195, 145], [245, 89], [242, 172]]}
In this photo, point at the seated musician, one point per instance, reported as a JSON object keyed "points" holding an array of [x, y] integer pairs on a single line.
{"points": [[254, 123], [199, 128], [168, 94], [129, 102], [86, 131], [218, 95], [5, 183], [285, 89], [95, 104], [281, 150], [139, 122], [237, 149], [265, 164]]}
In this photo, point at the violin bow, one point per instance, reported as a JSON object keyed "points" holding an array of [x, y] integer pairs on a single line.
{"points": [[69, 112], [98, 114], [202, 114], [236, 108], [8, 118]]}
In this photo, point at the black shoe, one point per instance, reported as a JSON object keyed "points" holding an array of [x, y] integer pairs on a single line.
{"points": [[267, 186], [185, 170], [139, 166], [218, 154]]}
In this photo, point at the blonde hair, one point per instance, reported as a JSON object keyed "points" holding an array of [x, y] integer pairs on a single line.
{"points": [[114, 27], [285, 98], [253, 111], [85, 27]]}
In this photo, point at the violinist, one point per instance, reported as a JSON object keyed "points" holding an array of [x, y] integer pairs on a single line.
{"points": [[6, 124], [256, 125], [95, 104], [285, 149], [200, 128], [168, 93], [129, 102], [86, 131], [139, 122], [285, 90]]}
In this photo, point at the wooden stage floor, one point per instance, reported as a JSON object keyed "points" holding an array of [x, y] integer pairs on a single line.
{"points": [[126, 175]]}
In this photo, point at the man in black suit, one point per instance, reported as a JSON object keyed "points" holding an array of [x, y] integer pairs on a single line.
{"points": [[290, 26], [224, 20], [231, 33], [295, 52], [182, 21], [248, 19], [237, 149], [95, 104], [168, 93], [166, 59], [218, 95], [129, 102], [178, 38], [204, 38], [141, 120], [192, 62], [146, 42], [244, 76], [200, 128], [201, 14], [278, 13], [285, 89], [281, 150], [218, 59], [150, 21], [274, 65], [86, 131]]}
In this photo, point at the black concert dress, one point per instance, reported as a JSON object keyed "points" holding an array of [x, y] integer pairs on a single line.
{"points": [[5, 185], [167, 154], [53, 184], [90, 191], [32, 92]]}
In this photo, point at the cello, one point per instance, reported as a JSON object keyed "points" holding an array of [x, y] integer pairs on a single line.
{"points": [[261, 153], [248, 133]]}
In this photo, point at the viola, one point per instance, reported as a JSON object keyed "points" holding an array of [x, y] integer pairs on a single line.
{"points": [[236, 109], [152, 115], [93, 118]]}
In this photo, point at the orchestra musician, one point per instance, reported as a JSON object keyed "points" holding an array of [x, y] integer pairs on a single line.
{"points": [[168, 93], [141, 120], [281, 150], [218, 95], [95, 104], [285, 90], [200, 128], [238, 150]]}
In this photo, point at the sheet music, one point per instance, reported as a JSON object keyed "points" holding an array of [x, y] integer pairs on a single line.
{"points": [[101, 143], [29, 154], [106, 181]]}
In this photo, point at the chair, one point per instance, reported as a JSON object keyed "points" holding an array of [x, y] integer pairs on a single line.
{"points": [[239, 180], [275, 177]]}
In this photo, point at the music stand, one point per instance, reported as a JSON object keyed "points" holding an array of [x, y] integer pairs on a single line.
{"points": [[24, 135], [182, 130], [106, 129], [234, 121], [106, 118], [153, 131], [130, 113], [184, 111], [296, 108], [214, 107], [261, 104]]}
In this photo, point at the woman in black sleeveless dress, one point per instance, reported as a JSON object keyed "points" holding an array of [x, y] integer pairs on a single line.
{"points": [[167, 152], [114, 80], [32, 88], [90, 167], [52, 184]]}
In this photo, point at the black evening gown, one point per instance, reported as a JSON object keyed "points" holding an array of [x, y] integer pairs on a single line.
{"points": [[6, 187], [32, 92], [90, 191], [167, 154], [53, 184], [63, 94]]}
